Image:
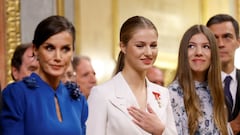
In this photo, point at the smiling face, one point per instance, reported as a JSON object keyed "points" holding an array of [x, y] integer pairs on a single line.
{"points": [[141, 50], [54, 56], [199, 54]]}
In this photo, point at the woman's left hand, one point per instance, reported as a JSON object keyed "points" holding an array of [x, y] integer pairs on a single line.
{"points": [[148, 121]]}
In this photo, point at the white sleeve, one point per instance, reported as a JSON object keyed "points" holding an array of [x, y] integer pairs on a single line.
{"points": [[97, 117]]}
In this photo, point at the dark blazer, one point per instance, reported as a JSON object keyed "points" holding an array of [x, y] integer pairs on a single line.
{"points": [[235, 112], [237, 105]]}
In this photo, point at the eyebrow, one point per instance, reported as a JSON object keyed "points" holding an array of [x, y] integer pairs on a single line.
{"points": [[225, 34], [46, 43]]}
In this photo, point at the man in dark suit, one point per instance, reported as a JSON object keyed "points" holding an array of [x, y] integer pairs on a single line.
{"points": [[226, 30]]}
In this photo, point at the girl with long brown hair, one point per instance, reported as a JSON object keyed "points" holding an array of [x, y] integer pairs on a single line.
{"points": [[196, 93]]}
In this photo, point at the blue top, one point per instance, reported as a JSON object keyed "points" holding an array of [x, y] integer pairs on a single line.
{"points": [[206, 122], [29, 109]]}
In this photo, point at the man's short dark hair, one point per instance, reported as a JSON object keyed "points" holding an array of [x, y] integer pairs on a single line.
{"points": [[17, 57], [220, 18], [18, 54]]}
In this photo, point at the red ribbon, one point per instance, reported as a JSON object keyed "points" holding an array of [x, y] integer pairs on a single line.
{"points": [[157, 95]]}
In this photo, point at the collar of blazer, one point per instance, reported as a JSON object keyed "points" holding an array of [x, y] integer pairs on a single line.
{"points": [[124, 97]]}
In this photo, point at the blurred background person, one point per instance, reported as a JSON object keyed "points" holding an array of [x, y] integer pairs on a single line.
{"points": [[69, 75], [85, 74], [23, 62], [156, 75]]}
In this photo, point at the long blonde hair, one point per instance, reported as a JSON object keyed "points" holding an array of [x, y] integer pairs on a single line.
{"points": [[213, 76]]}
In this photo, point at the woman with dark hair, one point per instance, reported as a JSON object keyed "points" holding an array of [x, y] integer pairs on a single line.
{"points": [[113, 106], [41, 104], [196, 93]]}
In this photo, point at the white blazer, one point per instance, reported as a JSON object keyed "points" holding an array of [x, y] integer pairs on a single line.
{"points": [[108, 105]]}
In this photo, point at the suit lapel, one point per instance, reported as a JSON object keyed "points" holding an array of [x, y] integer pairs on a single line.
{"points": [[237, 104], [121, 104], [123, 96]]}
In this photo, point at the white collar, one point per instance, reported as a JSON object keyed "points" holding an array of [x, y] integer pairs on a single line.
{"points": [[232, 74]]}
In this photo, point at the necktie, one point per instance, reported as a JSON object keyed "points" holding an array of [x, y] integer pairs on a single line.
{"points": [[227, 92]]}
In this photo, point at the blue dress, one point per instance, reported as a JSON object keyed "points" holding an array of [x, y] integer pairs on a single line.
{"points": [[206, 122], [29, 109]]}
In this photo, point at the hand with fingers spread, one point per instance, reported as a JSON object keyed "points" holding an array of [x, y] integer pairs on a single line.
{"points": [[148, 121]]}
